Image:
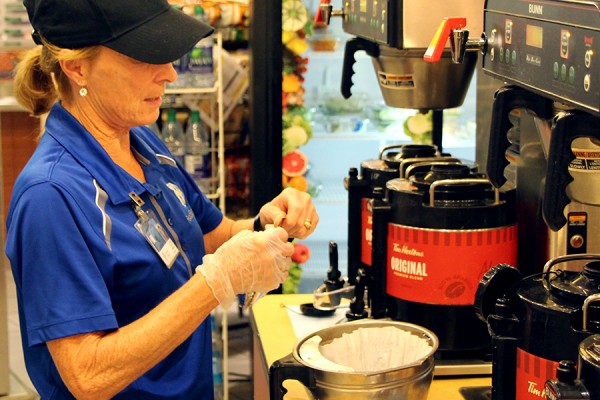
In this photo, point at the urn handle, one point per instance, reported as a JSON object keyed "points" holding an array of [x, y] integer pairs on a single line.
{"points": [[446, 182], [586, 304], [288, 368]]}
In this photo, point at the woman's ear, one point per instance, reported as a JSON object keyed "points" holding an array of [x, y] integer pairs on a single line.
{"points": [[74, 70]]}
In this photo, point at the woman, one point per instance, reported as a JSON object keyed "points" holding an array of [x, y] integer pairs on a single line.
{"points": [[117, 256]]}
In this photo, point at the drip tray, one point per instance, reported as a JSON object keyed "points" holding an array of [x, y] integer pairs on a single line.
{"points": [[476, 392], [462, 367]]}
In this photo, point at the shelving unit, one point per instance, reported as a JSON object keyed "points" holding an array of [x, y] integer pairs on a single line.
{"points": [[191, 98]]}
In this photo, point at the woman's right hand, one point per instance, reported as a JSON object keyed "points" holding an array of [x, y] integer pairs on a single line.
{"points": [[248, 262]]}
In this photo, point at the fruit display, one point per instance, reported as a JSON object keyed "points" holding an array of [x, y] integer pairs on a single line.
{"points": [[301, 255], [297, 26], [419, 127], [294, 163]]}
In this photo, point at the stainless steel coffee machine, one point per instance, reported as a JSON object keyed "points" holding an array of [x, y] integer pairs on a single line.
{"points": [[541, 67], [395, 34], [543, 61]]}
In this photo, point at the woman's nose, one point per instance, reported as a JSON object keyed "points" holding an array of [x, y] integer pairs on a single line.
{"points": [[168, 72]]}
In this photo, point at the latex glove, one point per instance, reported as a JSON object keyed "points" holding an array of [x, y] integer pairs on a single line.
{"points": [[248, 262]]}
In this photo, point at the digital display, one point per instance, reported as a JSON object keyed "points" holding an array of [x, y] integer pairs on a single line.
{"points": [[534, 36]]}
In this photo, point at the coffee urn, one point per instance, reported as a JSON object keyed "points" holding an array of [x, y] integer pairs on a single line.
{"points": [[435, 235], [393, 162], [537, 321], [577, 381]]}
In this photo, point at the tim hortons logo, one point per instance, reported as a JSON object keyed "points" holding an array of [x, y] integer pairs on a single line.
{"points": [[405, 250]]}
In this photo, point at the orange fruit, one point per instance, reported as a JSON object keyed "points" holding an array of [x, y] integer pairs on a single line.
{"points": [[294, 163], [299, 182], [284, 180]]}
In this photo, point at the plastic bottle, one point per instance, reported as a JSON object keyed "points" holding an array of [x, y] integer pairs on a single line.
{"points": [[197, 155], [217, 359], [172, 135], [200, 67]]}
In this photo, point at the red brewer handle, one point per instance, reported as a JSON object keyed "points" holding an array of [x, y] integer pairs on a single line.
{"points": [[319, 20], [436, 47]]}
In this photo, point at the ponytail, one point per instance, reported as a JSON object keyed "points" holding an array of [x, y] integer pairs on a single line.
{"points": [[39, 79], [34, 88]]}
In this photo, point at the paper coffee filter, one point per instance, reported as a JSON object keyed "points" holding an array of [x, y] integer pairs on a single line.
{"points": [[366, 350], [311, 353]]}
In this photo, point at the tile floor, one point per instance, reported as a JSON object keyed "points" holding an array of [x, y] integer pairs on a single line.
{"points": [[240, 344]]}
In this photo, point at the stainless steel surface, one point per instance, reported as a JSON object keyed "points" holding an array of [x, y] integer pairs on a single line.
{"points": [[330, 300], [584, 192], [410, 382], [589, 349], [406, 81], [421, 18], [586, 305]]}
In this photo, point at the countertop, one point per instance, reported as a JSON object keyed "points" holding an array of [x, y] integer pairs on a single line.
{"points": [[275, 338]]}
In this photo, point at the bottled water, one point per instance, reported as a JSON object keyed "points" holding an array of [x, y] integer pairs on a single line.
{"points": [[200, 64], [197, 154], [217, 359], [172, 135]]}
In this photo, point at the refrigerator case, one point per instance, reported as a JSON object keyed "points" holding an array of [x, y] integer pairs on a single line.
{"points": [[345, 132]]}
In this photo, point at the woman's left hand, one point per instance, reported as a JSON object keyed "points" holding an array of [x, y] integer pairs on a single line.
{"points": [[293, 210]]}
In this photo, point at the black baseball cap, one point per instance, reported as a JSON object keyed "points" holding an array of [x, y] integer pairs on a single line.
{"points": [[150, 31]]}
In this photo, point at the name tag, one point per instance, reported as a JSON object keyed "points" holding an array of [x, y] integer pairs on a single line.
{"points": [[155, 234]]}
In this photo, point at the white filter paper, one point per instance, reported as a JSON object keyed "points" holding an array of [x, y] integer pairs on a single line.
{"points": [[366, 350]]}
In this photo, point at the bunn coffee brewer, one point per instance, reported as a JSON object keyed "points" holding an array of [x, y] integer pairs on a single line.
{"points": [[395, 34], [543, 137], [546, 56]]}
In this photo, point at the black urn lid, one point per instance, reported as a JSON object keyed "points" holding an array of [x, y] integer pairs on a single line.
{"points": [[455, 191], [576, 287], [394, 158], [390, 161]]}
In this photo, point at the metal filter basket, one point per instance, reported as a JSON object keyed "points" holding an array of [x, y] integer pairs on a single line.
{"points": [[333, 363]]}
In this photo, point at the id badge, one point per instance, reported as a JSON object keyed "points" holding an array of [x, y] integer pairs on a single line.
{"points": [[155, 234]]}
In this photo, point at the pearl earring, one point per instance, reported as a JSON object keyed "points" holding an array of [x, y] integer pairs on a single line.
{"points": [[83, 92]]}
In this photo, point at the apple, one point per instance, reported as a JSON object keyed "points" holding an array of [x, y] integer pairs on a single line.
{"points": [[301, 253]]}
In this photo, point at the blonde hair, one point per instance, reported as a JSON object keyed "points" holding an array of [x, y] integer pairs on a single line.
{"points": [[39, 79]]}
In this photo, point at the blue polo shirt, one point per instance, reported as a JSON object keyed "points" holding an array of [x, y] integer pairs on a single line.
{"points": [[81, 266]]}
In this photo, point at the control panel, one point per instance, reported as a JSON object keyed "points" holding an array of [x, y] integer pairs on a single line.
{"points": [[379, 21], [550, 47]]}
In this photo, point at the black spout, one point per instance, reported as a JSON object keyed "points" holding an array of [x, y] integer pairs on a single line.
{"points": [[334, 279], [502, 326], [357, 304]]}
